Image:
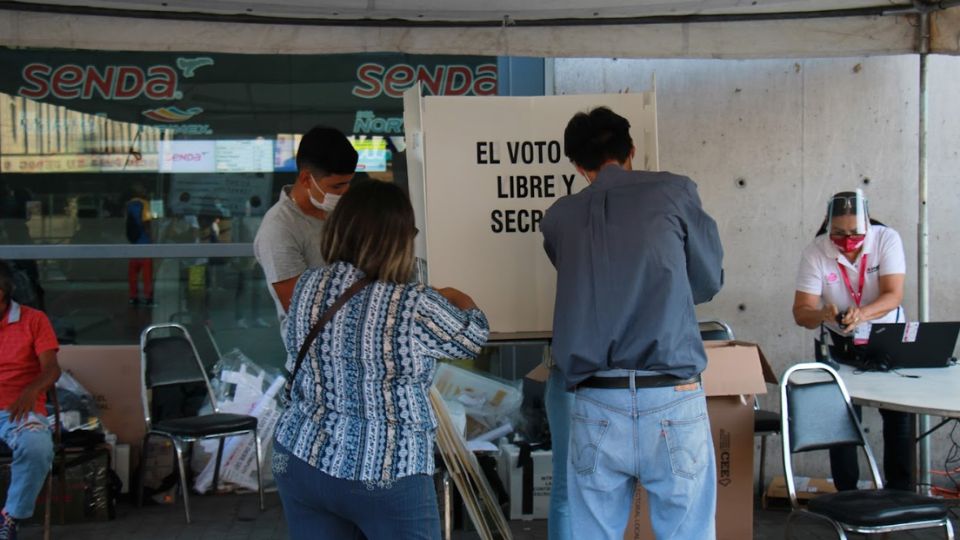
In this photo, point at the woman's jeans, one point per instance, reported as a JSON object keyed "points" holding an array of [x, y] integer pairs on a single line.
{"points": [[559, 404], [319, 506], [898, 449]]}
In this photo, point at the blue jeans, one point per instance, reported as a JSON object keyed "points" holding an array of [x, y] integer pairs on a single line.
{"points": [[659, 437], [32, 446], [318, 506], [559, 405]]}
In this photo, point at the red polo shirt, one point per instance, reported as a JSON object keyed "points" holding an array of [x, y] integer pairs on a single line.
{"points": [[25, 334]]}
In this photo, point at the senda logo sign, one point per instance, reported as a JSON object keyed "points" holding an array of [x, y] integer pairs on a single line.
{"points": [[374, 80], [71, 81]]}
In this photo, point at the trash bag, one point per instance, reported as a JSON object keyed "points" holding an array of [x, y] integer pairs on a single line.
{"points": [[241, 386]]}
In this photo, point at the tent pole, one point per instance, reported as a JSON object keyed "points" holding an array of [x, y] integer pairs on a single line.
{"points": [[923, 278]]}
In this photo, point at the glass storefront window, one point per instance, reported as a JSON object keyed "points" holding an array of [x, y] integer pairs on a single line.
{"points": [[88, 300], [202, 143]]}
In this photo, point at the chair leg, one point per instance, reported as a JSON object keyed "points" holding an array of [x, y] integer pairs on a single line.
{"points": [[256, 442], [184, 487], [61, 469], [47, 512], [763, 462], [447, 506], [142, 473], [216, 469], [949, 527]]}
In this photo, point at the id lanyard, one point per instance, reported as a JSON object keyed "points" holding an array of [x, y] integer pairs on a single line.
{"points": [[856, 295]]}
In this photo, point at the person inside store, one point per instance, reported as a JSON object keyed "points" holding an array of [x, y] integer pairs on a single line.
{"points": [[28, 367], [139, 223], [634, 252], [851, 275], [288, 240], [353, 452]]}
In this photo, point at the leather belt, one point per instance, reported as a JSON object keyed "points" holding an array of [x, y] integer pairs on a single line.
{"points": [[651, 381]]}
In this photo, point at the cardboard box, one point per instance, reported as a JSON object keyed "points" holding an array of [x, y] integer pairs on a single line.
{"points": [[84, 495], [160, 463], [112, 374], [807, 488], [736, 371], [528, 487]]}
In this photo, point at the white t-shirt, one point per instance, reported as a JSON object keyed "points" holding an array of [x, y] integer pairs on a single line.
{"points": [[286, 244], [819, 273]]}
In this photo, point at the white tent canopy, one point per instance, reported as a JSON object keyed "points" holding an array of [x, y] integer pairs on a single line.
{"points": [[464, 11], [638, 28]]}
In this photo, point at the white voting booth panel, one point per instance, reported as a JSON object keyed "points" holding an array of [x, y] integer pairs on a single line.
{"points": [[487, 169]]}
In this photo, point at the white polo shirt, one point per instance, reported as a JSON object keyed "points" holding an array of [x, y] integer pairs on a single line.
{"points": [[819, 273]]}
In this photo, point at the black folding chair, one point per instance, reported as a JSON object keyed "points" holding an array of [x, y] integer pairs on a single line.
{"points": [[174, 383], [818, 415], [765, 423]]}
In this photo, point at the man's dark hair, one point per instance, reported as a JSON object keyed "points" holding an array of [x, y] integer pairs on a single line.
{"points": [[6, 281], [327, 151], [594, 138]]}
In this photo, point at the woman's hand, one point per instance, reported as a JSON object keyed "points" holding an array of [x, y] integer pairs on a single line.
{"points": [[852, 319], [457, 298]]}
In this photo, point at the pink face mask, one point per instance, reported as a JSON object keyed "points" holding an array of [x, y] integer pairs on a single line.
{"points": [[848, 244]]}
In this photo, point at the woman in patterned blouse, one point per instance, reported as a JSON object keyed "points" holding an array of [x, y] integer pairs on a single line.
{"points": [[353, 451]]}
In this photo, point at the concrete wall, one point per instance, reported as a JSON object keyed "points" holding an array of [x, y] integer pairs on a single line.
{"points": [[768, 141]]}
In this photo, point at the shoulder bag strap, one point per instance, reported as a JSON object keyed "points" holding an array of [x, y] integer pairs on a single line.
{"points": [[324, 319]]}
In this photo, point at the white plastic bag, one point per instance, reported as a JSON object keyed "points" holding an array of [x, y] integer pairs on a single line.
{"points": [[243, 387]]}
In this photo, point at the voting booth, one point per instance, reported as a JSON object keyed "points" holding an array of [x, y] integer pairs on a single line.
{"points": [[483, 171]]}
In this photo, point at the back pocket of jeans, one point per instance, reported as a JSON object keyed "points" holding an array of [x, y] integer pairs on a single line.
{"points": [[688, 443], [586, 437]]}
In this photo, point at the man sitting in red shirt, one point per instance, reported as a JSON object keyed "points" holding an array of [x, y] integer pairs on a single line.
{"points": [[28, 367]]}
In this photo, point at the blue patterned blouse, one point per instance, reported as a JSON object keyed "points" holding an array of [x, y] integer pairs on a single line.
{"points": [[360, 404]]}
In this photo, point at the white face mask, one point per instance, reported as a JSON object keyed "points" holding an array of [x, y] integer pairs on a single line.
{"points": [[329, 202]]}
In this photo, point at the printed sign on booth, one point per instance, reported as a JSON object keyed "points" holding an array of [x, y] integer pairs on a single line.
{"points": [[492, 167]]}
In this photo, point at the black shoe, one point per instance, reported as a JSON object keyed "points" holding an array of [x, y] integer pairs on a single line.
{"points": [[149, 303], [9, 527], [134, 302]]}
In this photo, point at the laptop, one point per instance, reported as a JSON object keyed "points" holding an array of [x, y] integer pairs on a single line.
{"points": [[912, 345]]}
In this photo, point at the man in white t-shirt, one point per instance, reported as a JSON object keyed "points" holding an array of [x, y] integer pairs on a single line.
{"points": [[288, 239], [851, 275]]}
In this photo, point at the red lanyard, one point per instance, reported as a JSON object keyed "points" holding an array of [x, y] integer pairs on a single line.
{"points": [[857, 296]]}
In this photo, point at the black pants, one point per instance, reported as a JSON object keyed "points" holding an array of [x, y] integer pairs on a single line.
{"points": [[898, 453]]}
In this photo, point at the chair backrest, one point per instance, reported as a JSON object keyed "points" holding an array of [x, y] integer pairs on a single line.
{"points": [[817, 414], [715, 330], [206, 345], [171, 366]]}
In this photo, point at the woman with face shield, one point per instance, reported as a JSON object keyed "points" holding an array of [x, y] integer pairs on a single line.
{"points": [[852, 275]]}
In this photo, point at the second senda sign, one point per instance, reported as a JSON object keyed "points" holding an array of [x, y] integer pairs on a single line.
{"points": [[375, 80]]}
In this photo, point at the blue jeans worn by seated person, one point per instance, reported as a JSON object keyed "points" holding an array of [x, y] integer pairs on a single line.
{"points": [[559, 404], [319, 507], [31, 441], [659, 437]]}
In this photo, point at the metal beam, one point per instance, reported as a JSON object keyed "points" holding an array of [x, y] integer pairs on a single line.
{"points": [[124, 251]]}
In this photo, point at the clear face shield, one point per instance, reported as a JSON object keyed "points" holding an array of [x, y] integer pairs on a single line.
{"points": [[847, 220]]}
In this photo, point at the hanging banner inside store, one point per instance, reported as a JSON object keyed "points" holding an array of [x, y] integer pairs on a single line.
{"points": [[59, 102], [492, 167]]}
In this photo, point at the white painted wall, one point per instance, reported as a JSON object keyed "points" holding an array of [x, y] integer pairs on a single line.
{"points": [[797, 131]]}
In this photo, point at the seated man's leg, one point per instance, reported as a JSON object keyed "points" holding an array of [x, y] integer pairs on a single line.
{"points": [[32, 446]]}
